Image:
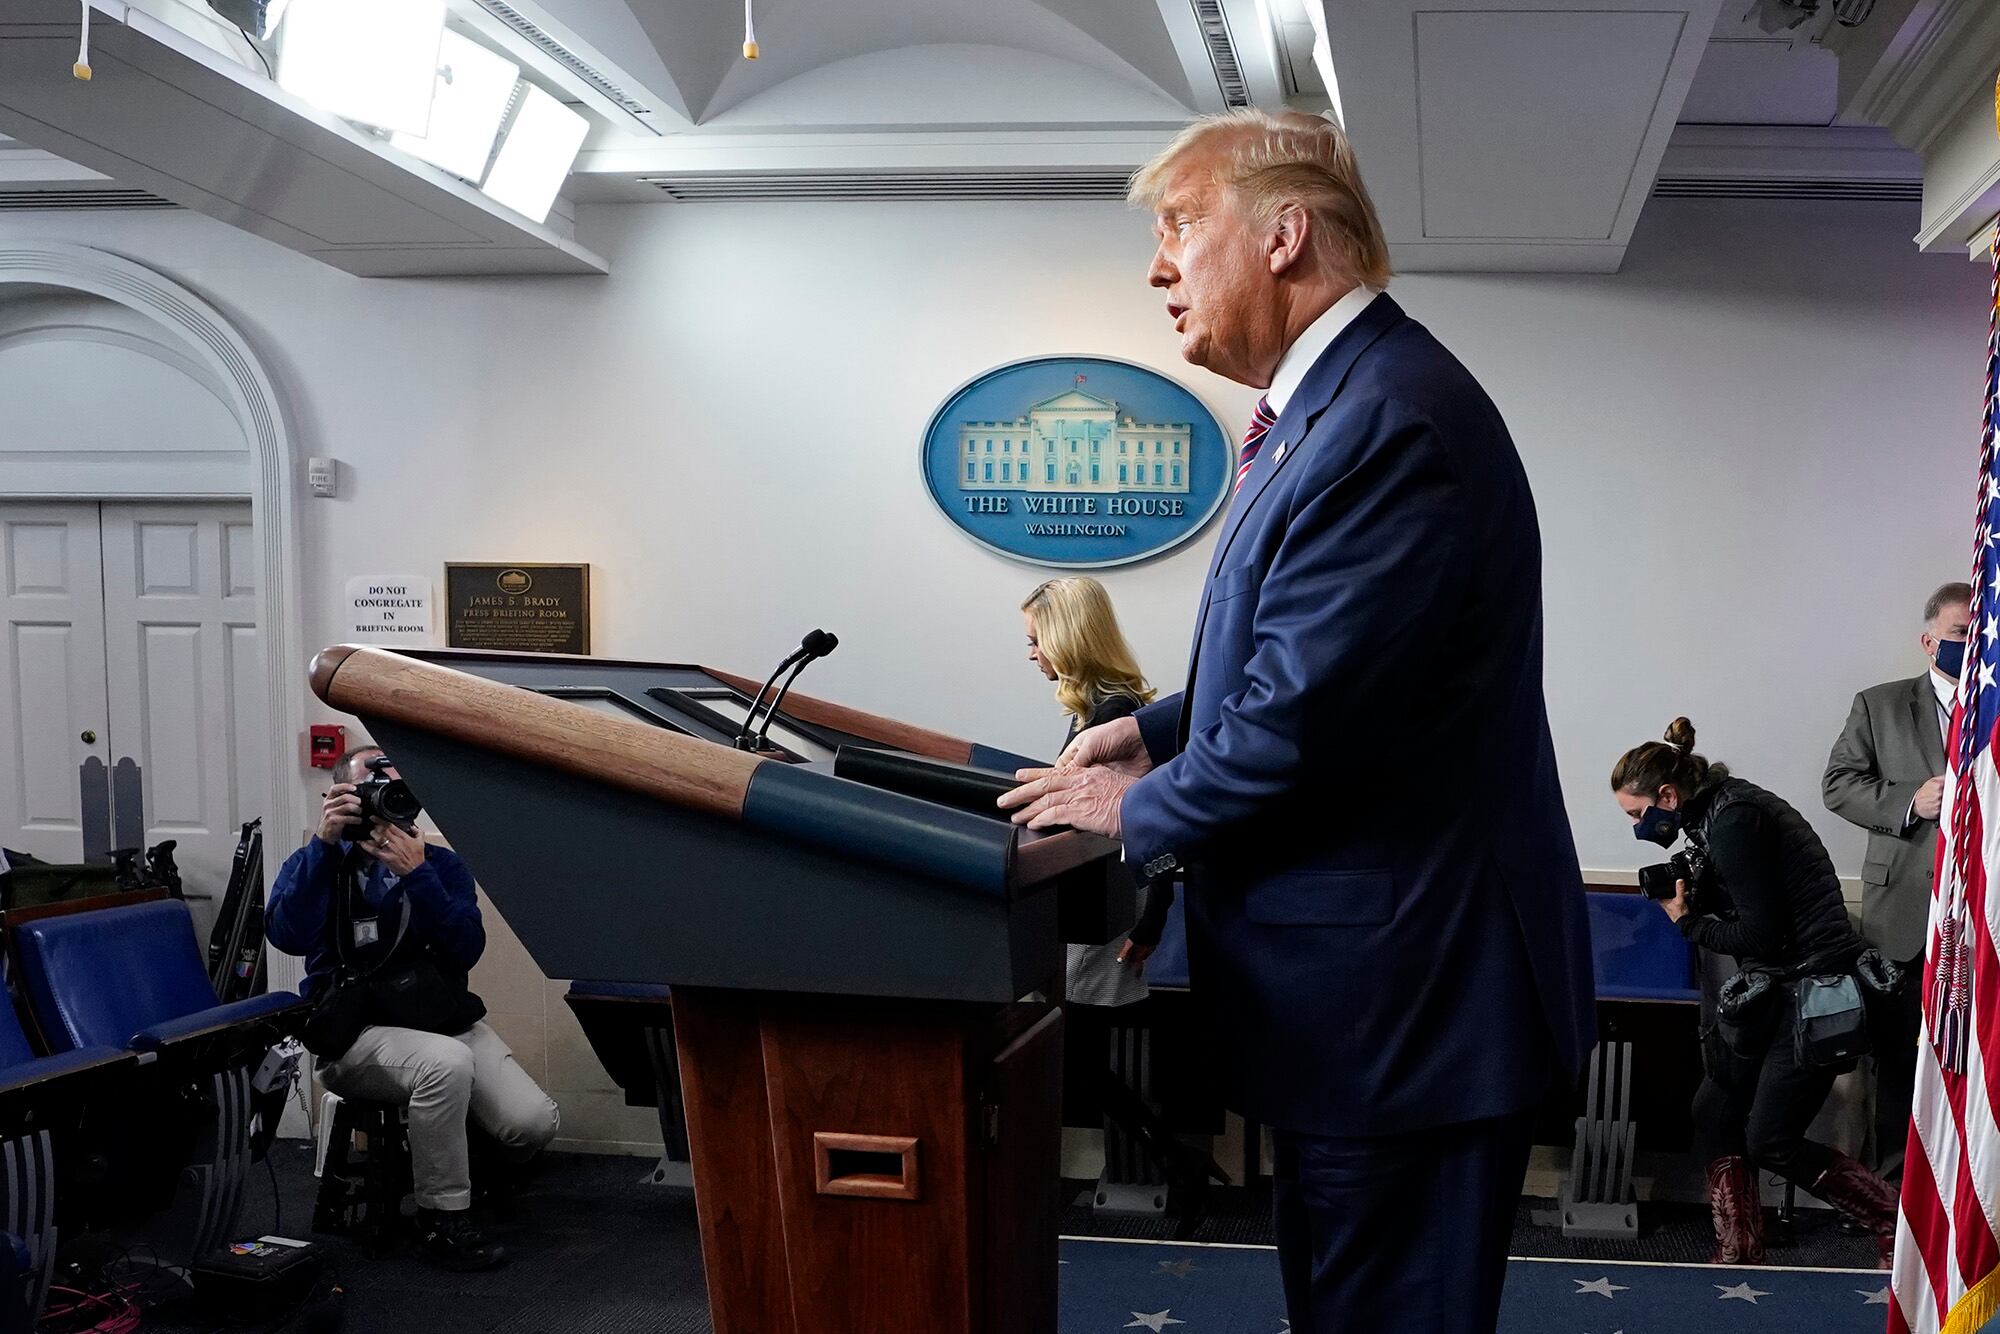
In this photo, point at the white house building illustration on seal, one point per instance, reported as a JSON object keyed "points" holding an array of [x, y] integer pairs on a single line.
{"points": [[1074, 442]]}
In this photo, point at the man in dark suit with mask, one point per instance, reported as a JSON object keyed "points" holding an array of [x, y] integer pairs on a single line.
{"points": [[1395, 976], [1886, 774]]}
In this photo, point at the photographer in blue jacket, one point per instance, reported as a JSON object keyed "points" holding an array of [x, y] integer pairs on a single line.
{"points": [[367, 902]]}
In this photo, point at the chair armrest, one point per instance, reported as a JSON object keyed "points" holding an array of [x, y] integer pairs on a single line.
{"points": [[1667, 995], [45, 1070], [219, 1018], [53, 1090]]}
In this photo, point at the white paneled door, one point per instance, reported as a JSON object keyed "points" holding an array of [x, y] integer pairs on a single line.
{"points": [[179, 685], [52, 681]]}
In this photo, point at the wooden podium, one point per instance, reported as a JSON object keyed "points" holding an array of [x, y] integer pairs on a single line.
{"points": [[863, 980]]}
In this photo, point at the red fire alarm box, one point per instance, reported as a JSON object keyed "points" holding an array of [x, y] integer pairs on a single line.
{"points": [[328, 741]]}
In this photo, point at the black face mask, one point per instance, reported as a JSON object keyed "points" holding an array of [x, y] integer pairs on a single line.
{"points": [[1658, 826]]}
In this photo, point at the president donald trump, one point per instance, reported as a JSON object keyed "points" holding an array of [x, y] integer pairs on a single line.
{"points": [[1385, 918]]}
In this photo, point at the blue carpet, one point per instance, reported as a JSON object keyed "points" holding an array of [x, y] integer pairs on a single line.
{"points": [[1109, 1286]]}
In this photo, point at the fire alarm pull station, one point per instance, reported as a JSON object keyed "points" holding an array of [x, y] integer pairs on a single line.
{"points": [[328, 741]]}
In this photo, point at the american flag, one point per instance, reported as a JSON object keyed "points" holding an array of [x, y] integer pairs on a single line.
{"points": [[1946, 1279]]}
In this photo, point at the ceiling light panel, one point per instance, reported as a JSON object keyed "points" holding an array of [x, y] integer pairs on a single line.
{"points": [[473, 89], [535, 157], [372, 61]]}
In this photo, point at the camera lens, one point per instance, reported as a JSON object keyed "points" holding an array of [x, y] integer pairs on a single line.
{"points": [[397, 803]]}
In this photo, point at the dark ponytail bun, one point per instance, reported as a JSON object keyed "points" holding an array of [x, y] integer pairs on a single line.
{"points": [[1648, 768]]}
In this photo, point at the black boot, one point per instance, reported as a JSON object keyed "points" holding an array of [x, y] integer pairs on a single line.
{"points": [[450, 1238]]}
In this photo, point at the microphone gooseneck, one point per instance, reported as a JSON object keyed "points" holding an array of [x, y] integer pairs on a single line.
{"points": [[814, 646]]}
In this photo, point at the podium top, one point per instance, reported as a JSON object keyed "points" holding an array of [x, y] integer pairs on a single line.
{"points": [[665, 742]]}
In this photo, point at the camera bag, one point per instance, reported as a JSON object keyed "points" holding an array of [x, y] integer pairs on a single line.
{"points": [[1832, 1021]]}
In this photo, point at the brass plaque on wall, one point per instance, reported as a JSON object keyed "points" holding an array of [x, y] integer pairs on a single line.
{"points": [[527, 608]]}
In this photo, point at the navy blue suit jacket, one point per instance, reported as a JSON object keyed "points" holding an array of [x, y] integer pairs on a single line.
{"points": [[1386, 923]]}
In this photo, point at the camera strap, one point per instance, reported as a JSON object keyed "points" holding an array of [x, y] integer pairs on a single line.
{"points": [[353, 879]]}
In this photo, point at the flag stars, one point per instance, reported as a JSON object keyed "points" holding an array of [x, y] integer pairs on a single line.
{"points": [[1602, 1287], [1156, 1322], [1742, 1292], [1878, 1297]]}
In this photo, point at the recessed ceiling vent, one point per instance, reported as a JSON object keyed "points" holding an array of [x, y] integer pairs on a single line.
{"points": [[27, 201], [848, 186], [1222, 52], [569, 59], [1789, 187]]}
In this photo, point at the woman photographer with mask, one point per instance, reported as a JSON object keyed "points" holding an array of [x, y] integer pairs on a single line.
{"points": [[1765, 894]]}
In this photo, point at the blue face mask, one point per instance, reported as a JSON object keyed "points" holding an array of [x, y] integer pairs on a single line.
{"points": [[1658, 826], [1950, 658]]}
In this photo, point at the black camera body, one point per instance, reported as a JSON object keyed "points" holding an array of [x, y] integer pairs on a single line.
{"points": [[1690, 865], [384, 799]]}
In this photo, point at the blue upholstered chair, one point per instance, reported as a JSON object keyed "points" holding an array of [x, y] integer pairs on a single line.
{"points": [[1169, 965], [1639, 958], [630, 1026], [1637, 954], [42, 1101], [132, 977]]}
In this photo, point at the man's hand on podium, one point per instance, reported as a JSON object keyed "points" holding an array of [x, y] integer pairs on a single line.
{"points": [[1086, 790], [1115, 745]]}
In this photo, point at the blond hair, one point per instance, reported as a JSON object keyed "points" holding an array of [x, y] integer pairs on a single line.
{"points": [[1078, 636], [1276, 161]]}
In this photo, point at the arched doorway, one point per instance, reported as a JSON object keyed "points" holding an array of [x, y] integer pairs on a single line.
{"points": [[73, 317]]}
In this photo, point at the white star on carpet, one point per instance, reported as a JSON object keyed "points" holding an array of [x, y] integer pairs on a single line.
{"points": [[1742, 1292], [1156, 1322], [1178, 1268], [1879, 1297], [1603, 1287]]}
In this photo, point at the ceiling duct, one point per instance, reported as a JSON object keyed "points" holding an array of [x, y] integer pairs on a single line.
{"points": [[1781, 187], [567, 58], [97, 197], [1222, 52], [1101, 183]]}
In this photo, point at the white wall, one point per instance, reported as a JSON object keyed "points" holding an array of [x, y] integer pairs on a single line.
{"points": [[1754, 449]]}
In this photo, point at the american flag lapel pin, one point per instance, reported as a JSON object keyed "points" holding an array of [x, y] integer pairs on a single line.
{"points": [[1279, 457]]}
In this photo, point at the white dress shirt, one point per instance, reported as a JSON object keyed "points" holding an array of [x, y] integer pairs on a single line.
{"points": [[1947, 695], [1306, 348], [1946, 691]]}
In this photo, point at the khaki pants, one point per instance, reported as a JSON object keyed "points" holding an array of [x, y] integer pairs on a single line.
{"points": [[443, 1079]]}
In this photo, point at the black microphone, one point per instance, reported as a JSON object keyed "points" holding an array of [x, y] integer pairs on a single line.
{"points": [[810, 646], [816, 645]]}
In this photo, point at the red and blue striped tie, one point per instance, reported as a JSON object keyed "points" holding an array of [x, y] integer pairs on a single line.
{"points": [[1261, 422]]}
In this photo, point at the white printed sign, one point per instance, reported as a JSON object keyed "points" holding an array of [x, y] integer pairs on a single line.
{"points": [[392, 609]]}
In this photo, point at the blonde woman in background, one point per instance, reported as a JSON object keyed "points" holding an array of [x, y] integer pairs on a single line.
{"points": [[1074, 639]]}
